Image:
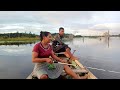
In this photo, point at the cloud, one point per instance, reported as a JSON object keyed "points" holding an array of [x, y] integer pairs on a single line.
{"points": [[83, 21], [112, 27], [99, 27], [20, 17]]}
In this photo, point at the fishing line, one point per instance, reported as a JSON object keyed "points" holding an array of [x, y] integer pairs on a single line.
{"points": [[102, 69]]}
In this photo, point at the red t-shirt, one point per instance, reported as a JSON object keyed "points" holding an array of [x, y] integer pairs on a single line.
{"points": [[42, 52]]}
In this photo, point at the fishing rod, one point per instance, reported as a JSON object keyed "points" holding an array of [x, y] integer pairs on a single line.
{"points": [[73, 51]]}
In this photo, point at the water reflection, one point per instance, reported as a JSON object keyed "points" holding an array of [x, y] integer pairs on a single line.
{"points": [[20, 49], [15, 60], [94, 53], [106, 40], [17, 43], [83, 39]]}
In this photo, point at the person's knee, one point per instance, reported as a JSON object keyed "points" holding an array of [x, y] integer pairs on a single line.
{"points": [[44, 76]]}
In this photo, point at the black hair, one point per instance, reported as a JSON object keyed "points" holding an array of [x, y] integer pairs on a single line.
{"points": [[42, 34], [61, 28]]}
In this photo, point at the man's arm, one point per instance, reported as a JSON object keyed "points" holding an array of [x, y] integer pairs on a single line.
{"points": [[57, 38], [57, 58]]}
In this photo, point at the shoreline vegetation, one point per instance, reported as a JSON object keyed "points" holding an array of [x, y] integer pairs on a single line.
{"points": [[17, 41], [29, 38], [18, 38], [24, 38]]}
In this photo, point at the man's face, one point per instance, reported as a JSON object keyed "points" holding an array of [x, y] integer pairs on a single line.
{"points": [[61, 32]]}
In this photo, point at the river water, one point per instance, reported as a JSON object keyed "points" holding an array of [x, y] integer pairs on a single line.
{"points": [[100, 56]]}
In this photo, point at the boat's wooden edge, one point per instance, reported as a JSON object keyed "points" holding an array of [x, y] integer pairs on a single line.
{"points": [[90, 75], [30, 76]]}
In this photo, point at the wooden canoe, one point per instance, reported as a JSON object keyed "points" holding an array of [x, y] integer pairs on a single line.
{"points": [[77, 67]]}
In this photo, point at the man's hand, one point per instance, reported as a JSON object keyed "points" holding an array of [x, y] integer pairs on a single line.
{"points": [[64, 61]]}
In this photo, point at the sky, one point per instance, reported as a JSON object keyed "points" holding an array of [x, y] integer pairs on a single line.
{"points": [[74, 22]]}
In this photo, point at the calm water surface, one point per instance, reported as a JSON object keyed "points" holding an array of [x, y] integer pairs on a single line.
{"points": [[102, 57]]}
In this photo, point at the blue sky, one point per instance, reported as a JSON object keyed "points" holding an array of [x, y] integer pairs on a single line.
{"points": [[75, 22]]}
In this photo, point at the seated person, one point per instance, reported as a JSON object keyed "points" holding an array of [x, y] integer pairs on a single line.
{"points": [[59, 46], [40, 56]]}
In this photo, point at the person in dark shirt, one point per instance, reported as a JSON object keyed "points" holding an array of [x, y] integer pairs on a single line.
{"points": [[59, 46]]}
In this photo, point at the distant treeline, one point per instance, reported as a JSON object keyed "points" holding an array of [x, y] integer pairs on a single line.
{"points": [[115, 35], [17, 34], [78, 36], [66, 35], [30, 35], [97, 36]]}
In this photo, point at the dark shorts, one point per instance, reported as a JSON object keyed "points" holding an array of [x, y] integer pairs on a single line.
{"points": [[63, 49]]}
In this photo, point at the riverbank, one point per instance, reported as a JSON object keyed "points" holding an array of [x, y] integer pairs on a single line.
{"points": [[16, 41]]}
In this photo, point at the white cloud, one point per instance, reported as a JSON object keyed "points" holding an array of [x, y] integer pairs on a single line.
{"points": [[11, 27], [87, 32], [114, 28], [85, 22]]}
